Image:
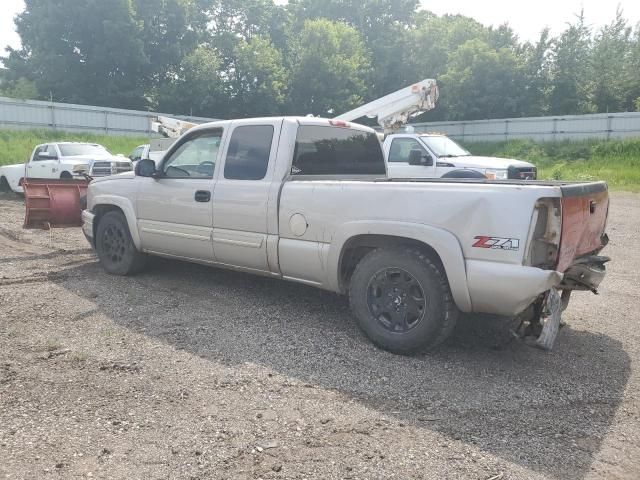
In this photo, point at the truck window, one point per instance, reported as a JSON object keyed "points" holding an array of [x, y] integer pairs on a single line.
{"points": [[136, 154], [401, 148], [336, 151], [195, 157], [248, 154], [51, 150], [37, 151], [75, 149]]}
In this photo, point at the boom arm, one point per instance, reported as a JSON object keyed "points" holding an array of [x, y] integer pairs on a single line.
{"points": [[170, 127], [395, 109]]}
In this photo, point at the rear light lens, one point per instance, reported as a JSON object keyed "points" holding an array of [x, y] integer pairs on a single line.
{"points": [[544, 234], [338, 123]]}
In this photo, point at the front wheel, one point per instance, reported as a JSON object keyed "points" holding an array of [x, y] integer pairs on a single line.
{"points": [[402, 300], [114, 245]]}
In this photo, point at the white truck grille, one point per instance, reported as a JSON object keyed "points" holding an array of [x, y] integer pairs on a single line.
{"points": [[122, 167], [103, 169]]}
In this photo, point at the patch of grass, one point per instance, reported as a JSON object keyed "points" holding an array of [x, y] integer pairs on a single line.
{"points": [[615, 161], [17, 145]]}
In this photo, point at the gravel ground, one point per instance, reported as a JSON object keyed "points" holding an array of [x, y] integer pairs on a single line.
{"points": [[190, 372]]}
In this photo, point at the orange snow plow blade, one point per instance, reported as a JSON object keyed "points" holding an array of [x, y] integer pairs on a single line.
{"points": [[53, 203]]}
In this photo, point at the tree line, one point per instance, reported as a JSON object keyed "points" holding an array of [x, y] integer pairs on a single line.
{"points": [[240, 58]]}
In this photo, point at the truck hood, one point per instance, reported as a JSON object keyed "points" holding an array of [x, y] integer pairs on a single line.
{"points": [[82, 159], [14, 168], [119, 176], [473, 161]]}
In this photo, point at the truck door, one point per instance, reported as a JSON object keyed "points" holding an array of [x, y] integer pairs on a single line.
{"points": [[241, 197], [44, 162], [175, 209], [398, 159]]}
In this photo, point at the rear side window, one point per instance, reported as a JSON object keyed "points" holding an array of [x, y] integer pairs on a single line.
{"points": [[248, 154], [336, 151]]}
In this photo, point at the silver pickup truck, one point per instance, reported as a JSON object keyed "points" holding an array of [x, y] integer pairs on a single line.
{"points": [[308, 200]]}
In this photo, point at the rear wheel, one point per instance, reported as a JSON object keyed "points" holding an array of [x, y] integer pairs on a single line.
{"points": [[114, 245], [4, 185], [402, 300]]}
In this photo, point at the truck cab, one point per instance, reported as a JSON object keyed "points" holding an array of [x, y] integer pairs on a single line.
{"points": [[434, 155]]}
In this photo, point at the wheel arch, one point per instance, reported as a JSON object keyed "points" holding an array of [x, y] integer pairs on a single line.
{"points": [[356, 239], [109, 203]]}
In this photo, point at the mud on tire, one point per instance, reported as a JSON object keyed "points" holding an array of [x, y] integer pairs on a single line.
{"points": [[402, 301], [117, 252]]}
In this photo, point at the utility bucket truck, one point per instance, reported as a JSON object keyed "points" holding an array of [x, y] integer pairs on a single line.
{"points": [[429, 155]]}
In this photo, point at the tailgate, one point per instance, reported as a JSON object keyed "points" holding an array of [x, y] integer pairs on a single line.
{"points": [[584, 216]]}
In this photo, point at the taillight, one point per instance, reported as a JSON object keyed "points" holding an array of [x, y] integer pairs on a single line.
{"points": [[544, 234], [338, 123]]}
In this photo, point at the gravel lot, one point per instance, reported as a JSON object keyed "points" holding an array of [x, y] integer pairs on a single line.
{"points": [[190, 372]]}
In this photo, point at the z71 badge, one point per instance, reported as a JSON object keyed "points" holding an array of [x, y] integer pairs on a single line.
{"points": [[497, 243]]}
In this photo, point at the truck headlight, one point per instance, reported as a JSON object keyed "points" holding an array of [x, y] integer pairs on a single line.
{"points": [[496, 174], [82, 168]]}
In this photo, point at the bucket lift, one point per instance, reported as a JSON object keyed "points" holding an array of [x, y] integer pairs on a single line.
{"points": [[396, 109]]}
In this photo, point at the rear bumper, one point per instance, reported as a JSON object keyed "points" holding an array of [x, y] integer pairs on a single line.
{"points": [[586, 273], [506, 289], [87, 225]]}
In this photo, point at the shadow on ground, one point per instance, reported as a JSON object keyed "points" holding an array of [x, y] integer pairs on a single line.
{"points": [[545, 411]]}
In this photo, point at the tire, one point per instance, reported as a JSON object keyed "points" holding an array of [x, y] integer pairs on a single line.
{"points": [[66, 176], [117, 252], [464, 173], [402, 301], [4, 185]]}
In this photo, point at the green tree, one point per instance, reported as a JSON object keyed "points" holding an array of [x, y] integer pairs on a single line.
{"points": [[632, 72], [382, 24], [197, 88], [169, 31], [482, 82], [433, 40], [259, 79], [536, 64], [21, 88], [571, 73], [84, 52], [611, 52], [329, 68]]}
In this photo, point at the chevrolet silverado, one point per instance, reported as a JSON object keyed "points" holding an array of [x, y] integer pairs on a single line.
{"points": [[308, 200]]}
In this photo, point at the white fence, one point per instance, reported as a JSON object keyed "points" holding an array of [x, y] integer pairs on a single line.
{"points": [[114, 121], [16, 113], [570, 127]]}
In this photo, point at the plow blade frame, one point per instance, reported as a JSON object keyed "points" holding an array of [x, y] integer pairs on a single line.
{"points": [[53, 203]]}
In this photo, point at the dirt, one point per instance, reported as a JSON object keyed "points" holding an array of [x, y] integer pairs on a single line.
{"points": [[189, 372]]}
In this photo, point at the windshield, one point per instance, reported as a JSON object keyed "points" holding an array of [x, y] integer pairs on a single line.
{"points": [[73, 149], [444, 146]]}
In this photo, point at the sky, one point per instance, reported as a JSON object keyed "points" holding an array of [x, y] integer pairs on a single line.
{"points": [[527, 18]]}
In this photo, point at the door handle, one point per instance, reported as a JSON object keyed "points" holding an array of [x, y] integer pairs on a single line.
{"points": [[203, 196]]}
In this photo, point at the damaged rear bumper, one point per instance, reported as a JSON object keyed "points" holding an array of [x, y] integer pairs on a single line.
{"points": [[586, 273]]}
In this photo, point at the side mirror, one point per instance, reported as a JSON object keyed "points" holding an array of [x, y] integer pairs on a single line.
{"points": [[145, 168], [47, 156], [418, 157]]}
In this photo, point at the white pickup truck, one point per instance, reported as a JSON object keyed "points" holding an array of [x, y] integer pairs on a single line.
{"points": [[63, 160], [433, 155], [308, 200]]}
